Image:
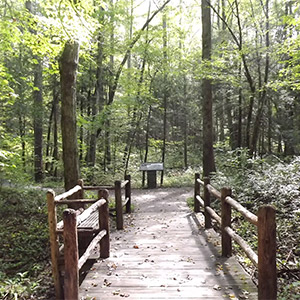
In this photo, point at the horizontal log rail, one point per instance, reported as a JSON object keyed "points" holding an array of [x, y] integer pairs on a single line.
{"points": [[66, 287], [68, 193], [265, 260]]}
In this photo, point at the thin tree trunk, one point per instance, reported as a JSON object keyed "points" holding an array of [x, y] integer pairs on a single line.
{"points": [[240, 113], [165, 94], [146, 142], [38, 122], [262, 97], [48, 143], [269, 126], [55, 137]]}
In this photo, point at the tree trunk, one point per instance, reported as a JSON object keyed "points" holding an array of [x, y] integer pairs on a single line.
{"points": [[208, 152], [68, 67], [38, 122], [147, 142], [165, 95]]}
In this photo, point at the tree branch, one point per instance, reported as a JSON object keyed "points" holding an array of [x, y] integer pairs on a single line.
{"points": [[133, 42]]}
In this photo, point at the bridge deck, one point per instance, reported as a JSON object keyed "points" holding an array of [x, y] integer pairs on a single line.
{"points": [[163, 254]]}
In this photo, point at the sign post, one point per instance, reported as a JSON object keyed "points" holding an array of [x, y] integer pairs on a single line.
{"points": [[151, 169]]}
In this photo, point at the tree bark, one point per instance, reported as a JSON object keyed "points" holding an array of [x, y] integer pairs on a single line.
{"points": [[68, 68], [165, 95], [208, 152], [38, 122]]}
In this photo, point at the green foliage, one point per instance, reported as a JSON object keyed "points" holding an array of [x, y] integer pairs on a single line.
{"points": [[24, 251], [179, 177], [267, 180], [19, 287]]}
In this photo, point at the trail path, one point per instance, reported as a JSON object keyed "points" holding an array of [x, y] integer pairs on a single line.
{"points": [[164, 254]]}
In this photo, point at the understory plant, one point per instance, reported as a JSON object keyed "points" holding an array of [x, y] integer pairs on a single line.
{"points": [[268, 180]]}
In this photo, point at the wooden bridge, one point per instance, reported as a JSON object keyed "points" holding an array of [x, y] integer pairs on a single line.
{"points": [[163, 252]]}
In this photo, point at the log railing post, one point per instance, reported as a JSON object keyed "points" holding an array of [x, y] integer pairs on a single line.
{"points": [[80, 194], [128, 193], [196, 193], [104, 224], [119, 206], [52, 221], [226, 222], [71, 278], [267, 274], [206, 196]]}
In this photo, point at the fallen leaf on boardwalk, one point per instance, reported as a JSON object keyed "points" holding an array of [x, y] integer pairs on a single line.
{"points": [[136, 247], [163, 250], [116, 292], [124, 295], [217, 287], [94, 284], [178, 290], [106, 282]]}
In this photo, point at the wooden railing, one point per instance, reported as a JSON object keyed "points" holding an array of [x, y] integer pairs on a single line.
{"points": [[79, 240], [119, 203], [265, 261]]}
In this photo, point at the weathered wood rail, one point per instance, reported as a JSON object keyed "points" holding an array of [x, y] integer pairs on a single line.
{"points": [[265, 261], [82, 230]]}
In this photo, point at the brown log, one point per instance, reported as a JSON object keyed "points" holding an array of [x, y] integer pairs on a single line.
{"points": [[200, 181], [267, 273], [239, 240], [213, 191], [90, 210], [213, 214], [60, 225], [206, 197], [226, 222], [84, 201], [104, 225], [99, 187], [200, 200], [196, 193], [252, 218], [123, 183], [69, 193], [71, 279], [119, 206], [52, 220], [80, 193], [128, 194], [91, 248]]}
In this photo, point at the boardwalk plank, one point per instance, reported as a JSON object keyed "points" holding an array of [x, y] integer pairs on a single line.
{"points": [[162, 254]]}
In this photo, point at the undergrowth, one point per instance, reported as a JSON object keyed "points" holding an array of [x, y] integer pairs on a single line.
{"points": [[267, 180], [24, 253]]}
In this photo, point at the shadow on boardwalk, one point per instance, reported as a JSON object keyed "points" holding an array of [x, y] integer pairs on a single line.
{"points": [[164, 253]]}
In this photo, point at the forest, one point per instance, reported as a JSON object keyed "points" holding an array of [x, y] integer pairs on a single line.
{"points": [[92, 89]]}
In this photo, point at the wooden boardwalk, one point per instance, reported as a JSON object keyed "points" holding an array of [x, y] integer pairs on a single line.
{"points": [[163, 253]]}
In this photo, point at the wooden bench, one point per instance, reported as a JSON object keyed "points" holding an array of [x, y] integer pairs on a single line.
{"points": [[91, 228]]}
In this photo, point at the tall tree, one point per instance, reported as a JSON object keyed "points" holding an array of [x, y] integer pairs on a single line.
{"points": [[68, 73], [207, 109]]}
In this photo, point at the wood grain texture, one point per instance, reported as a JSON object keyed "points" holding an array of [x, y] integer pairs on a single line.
{"points": [[267, 273], [164, 254]]}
